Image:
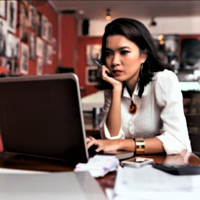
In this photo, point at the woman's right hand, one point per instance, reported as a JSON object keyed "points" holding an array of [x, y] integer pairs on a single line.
{"points": [[110, 79], [104, 145]]}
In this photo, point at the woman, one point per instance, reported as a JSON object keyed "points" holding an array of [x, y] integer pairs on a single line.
{"points": [[143, 112]]}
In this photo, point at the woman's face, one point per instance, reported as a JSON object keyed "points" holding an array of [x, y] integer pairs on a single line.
{"points": [[123, 58]]}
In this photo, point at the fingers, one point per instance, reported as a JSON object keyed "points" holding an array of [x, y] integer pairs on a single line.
{"points": [[88, 139], [100, 148], [91, 142], [104, 70], [107, 76], [95, 142], [103, 145]]}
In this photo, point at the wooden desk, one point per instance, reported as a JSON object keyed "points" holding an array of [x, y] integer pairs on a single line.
{"points": [[17, 161]]}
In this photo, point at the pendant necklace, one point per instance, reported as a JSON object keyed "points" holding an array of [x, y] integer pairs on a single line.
{"points": [[133, 106]]}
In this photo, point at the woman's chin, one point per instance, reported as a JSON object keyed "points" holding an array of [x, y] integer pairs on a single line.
{"points": [[119, 78]]}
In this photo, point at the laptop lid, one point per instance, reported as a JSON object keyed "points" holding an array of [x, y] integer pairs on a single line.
{"points": [[42, 116], [50, 186]]}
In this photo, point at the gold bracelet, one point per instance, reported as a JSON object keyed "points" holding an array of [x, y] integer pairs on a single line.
{"points": [[139, 146]]}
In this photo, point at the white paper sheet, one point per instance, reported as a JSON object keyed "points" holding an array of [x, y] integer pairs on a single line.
{"points": [[149, 183], [99, 165]]}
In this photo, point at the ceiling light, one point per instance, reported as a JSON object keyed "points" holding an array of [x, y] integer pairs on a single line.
{"points": [[161, 42], [108, 16], [81, 12], [153, 22], [160, 37]]}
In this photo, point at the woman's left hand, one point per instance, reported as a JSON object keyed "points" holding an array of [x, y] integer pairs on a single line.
{"points": [[105, 145]]}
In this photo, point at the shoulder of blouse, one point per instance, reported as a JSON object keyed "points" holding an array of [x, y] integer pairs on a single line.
{"points": [[167, 87], [165, 75], [166, 80]]}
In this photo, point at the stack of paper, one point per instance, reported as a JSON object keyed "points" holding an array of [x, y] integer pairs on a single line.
{"points": [[149, 183], [99, 165]]}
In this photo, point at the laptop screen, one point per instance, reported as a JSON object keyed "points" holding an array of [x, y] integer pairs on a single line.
{"points": [[42, 116]]}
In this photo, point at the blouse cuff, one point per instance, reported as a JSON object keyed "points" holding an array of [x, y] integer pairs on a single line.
{"points": [[106, 135], [171, 145]]}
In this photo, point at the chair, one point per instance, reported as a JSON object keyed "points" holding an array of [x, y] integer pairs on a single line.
{"points": [[193, 123]]}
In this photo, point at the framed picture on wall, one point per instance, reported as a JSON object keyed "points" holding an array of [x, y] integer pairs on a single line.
{"points": [[16, 48], [32, 17], [39, 47], [92, 52], [32, 44], [23, 23], [44, 27], [54, 45], [12, 46], [39, 66], [39, 24], [24, 59], [3, 32], [49, 31], [91, 75], [44, 54], [2, 8], [49, 54], [12, 15]]}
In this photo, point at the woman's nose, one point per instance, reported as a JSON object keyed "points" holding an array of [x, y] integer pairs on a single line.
{"points": [[115, 60]]}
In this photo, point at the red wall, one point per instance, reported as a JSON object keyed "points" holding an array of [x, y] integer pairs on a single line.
{"points": [[82, 43], [68, 38]]}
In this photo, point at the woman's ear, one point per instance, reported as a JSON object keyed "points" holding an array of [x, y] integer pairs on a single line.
{"points": [[144, 55]]}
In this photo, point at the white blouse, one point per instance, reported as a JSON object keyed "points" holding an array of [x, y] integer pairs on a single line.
{"points": [[160, 114]]}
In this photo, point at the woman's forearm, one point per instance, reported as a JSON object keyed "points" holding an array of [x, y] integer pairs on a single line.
{"points": [[152, 145], [113, 121]]}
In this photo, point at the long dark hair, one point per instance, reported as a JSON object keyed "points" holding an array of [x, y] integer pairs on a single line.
{"points": [[136, 32]]}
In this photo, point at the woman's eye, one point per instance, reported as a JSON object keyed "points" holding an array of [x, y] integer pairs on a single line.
{"points": [[124, 52], [108, 53]]}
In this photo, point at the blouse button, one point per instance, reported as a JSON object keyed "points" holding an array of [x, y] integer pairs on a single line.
{"points": [[131, 129]]}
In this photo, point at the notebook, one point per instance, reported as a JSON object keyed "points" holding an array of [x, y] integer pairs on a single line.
{"points": [[42, 116]]}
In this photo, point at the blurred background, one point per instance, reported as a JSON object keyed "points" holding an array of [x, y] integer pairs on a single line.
{"points": [[39, 37]]}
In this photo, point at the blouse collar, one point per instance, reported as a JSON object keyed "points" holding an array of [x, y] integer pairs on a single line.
{"points": [[135, 92]]}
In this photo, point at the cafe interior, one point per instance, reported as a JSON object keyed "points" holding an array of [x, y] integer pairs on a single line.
{"points": [[47, 37], [51, 37]]}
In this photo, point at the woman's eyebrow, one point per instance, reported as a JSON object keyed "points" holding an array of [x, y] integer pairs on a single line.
{"points": [[124, 47], [120, 48], [107, 49]]}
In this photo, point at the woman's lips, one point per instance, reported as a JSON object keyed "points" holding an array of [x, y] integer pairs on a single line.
{"points": [[117, 72]]}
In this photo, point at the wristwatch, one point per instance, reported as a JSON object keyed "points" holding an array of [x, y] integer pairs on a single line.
{"points": [[139, 145]]}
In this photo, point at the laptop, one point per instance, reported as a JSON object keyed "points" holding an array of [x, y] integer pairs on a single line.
{"points": [[42, 116], [51, 186]]}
